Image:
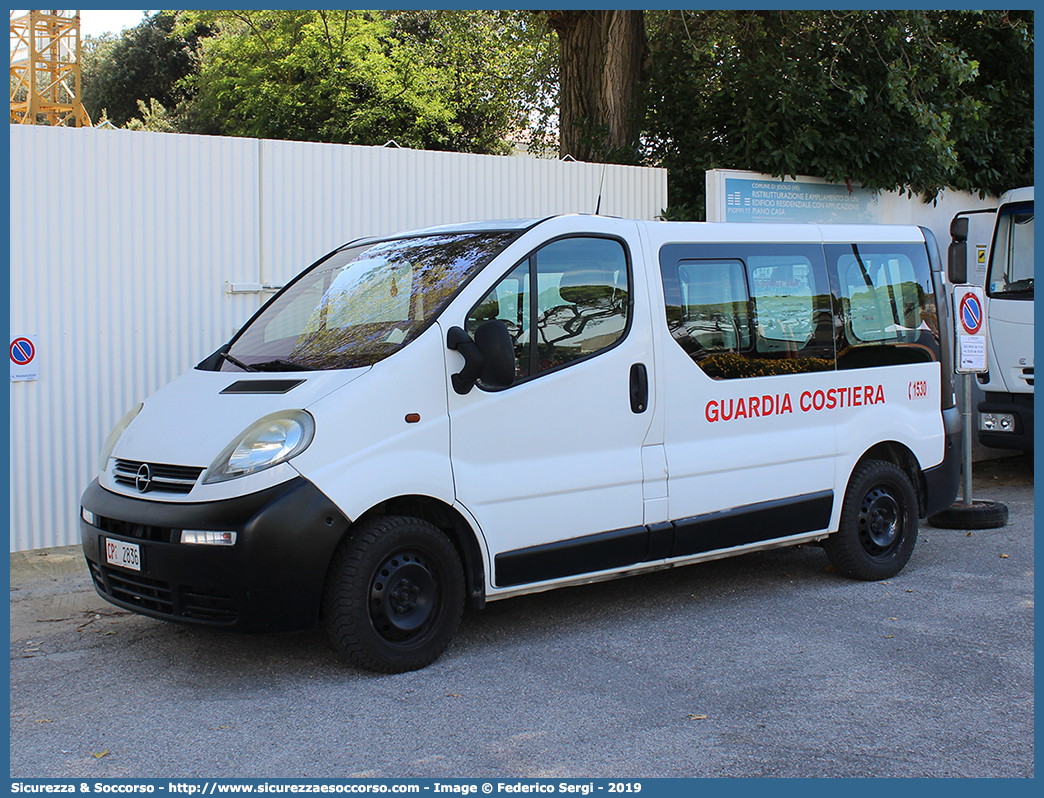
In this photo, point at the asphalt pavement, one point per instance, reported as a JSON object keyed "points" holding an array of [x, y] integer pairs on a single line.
{"points": [[767, 664]]}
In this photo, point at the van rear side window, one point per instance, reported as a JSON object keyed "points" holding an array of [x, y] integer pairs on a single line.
{"points": [[885, 303], [781, 289], [881, 297]]}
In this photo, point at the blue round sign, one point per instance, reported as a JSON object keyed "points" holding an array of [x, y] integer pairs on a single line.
{"points": [[22, 351], [971, 313]]}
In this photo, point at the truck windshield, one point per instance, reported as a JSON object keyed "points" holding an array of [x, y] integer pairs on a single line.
{"points": [[1011, 266], [362, 303]]}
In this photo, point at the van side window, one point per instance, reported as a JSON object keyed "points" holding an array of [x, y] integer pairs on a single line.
{"points": [[509, 301], [886, 304], [754, 311], [582, 293], [782, 292], [714, 305]]}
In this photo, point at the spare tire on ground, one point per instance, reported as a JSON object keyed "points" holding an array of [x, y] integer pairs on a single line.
{"points": [[980, 514]]}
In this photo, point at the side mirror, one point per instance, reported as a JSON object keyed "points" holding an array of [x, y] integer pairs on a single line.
{"points": [[957, 254], [489, 358]]}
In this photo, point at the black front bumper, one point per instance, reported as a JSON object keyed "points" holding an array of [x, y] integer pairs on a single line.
{"points": [[1020, 405], [271, 580]]}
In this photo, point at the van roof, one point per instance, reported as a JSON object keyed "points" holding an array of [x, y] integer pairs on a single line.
{"points": [[664, 232], [487, 226]]}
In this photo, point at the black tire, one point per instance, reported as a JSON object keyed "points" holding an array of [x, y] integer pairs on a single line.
{"points": [[878, 529], [980, 514], [394, 595]]}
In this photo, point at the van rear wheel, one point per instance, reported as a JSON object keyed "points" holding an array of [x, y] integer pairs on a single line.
{"points": [[394, 595], [878, 529]]}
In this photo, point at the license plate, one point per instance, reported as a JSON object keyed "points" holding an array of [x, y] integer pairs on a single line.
{"points": [[123, 555]]}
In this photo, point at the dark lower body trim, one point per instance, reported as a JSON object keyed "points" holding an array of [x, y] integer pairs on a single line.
{"points": [[620, 548], [942, 482]]}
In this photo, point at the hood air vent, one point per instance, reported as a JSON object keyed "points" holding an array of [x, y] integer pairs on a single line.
{"points": [[262, 386]]}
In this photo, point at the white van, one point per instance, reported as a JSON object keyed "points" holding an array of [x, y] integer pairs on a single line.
{"points": [[467, 413]]}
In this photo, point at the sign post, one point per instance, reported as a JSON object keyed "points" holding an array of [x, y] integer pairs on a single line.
{"points": [[969, 307]]}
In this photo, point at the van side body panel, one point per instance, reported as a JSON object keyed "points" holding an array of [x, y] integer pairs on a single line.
{"points": [[751, 462], [366, 452]]}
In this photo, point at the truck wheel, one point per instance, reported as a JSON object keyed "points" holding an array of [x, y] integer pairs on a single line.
{"points": [[394, 595], [878, 527]]}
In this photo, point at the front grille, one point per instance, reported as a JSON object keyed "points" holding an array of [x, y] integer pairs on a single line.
{"points": [[163, 598], [96, 575], [128, 529], [207, 605], [1027, 375], [158, 477], [132, 588]]}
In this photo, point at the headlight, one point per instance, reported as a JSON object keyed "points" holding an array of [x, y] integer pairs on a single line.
{"points": [[270, 441], [114, 436]]}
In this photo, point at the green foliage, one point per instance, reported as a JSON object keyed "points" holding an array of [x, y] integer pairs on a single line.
{"points": [[995, 145], [152, 117], [427, 80], [894, 100], [143, 64], [489, 65], [907, 100]]}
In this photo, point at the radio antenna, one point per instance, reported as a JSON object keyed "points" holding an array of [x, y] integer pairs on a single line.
{"points": [[598, 205]]}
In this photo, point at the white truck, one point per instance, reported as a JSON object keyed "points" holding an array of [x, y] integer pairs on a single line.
{"points": [[1006, 410]]}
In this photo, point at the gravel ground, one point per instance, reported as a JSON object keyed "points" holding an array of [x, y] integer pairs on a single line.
{"points": [[763, 665]]}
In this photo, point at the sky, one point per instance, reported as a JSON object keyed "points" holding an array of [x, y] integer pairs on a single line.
{"points": [[95, 23]]}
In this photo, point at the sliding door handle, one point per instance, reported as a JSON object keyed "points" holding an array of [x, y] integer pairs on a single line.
{"points": [[639, 388]]}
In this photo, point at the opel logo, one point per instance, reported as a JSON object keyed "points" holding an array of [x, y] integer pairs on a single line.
{"points": [[143, 479]]}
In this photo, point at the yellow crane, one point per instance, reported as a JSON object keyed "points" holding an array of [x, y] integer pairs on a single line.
{"points": [[45, 69]]}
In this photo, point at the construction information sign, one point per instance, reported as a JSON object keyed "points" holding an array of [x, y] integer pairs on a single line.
{"points": [[748, 197], [969, 310]]}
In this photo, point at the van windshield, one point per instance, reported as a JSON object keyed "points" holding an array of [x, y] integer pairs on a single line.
{"points": [[362, 303]]}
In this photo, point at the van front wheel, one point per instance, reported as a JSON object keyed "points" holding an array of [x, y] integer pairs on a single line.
{"points": [[394, 595], [878, 527]]}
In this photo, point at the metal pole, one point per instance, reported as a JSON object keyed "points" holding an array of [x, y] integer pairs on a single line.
{"points": [[967, 418]]}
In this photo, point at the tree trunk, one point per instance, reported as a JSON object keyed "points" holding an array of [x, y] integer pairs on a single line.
{"points": [[600, 57]]}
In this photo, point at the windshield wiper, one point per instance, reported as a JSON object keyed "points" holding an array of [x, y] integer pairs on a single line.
{"points": [[280, 365], [235, 361]]}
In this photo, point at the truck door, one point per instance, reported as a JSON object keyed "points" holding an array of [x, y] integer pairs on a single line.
{"points": [[548, 464]]}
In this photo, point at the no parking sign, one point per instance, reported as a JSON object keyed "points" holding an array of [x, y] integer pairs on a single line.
{"points": [[25, 361], [969, 308]]}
